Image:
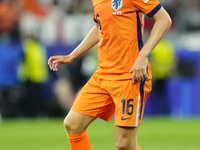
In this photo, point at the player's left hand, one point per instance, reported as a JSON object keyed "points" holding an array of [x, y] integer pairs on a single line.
{"points": [[139, 69]]}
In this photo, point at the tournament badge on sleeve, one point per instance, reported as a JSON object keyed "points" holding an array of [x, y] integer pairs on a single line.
{"points": [[117, 4], [145, 1]]}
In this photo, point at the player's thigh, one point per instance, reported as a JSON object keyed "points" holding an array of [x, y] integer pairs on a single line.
{"points": [[76, 123], [126, 137], [93, 100], [130, 99]]}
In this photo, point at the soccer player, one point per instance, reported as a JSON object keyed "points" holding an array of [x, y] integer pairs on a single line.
{"points": [[122, 81]]}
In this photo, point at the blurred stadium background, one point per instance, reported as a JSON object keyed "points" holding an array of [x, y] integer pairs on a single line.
{"points": [[34, 100]]}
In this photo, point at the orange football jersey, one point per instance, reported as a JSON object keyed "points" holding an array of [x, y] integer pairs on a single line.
{"points": [[121, 26]]}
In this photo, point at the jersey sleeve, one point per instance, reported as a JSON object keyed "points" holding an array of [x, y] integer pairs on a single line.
{"points": [[149, 7]]}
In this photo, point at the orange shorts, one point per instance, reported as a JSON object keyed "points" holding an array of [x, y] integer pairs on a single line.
{"points": [[104, 98]]}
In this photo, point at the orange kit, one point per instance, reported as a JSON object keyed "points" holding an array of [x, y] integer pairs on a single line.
{"points": [[110, 90]]}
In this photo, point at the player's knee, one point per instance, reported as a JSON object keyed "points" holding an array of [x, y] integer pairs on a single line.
{"points": [[69, 125], [72, 127], [124, 145], [66, 124], [120, 146]]}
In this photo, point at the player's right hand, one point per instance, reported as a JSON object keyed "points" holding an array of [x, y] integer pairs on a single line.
{"points": [[55, 61]]}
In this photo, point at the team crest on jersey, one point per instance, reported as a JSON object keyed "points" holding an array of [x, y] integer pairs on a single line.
{"points": [[117, 4]]}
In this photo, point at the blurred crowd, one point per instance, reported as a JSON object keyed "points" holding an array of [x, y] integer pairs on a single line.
{"points": [[68, 21], [33, 30], [50, 21]]}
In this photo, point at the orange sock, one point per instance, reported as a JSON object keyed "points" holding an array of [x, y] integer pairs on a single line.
{"points": [[138, 148], [79, 141]]}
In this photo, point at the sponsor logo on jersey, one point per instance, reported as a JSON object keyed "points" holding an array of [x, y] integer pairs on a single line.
{"points": [[146, 1], [117, 4]]}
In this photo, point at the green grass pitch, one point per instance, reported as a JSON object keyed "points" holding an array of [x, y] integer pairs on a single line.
{"points": [[49, 134]]}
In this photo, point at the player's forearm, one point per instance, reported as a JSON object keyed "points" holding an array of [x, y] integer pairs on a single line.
{"points": [[90, 40], [160, 28]]}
